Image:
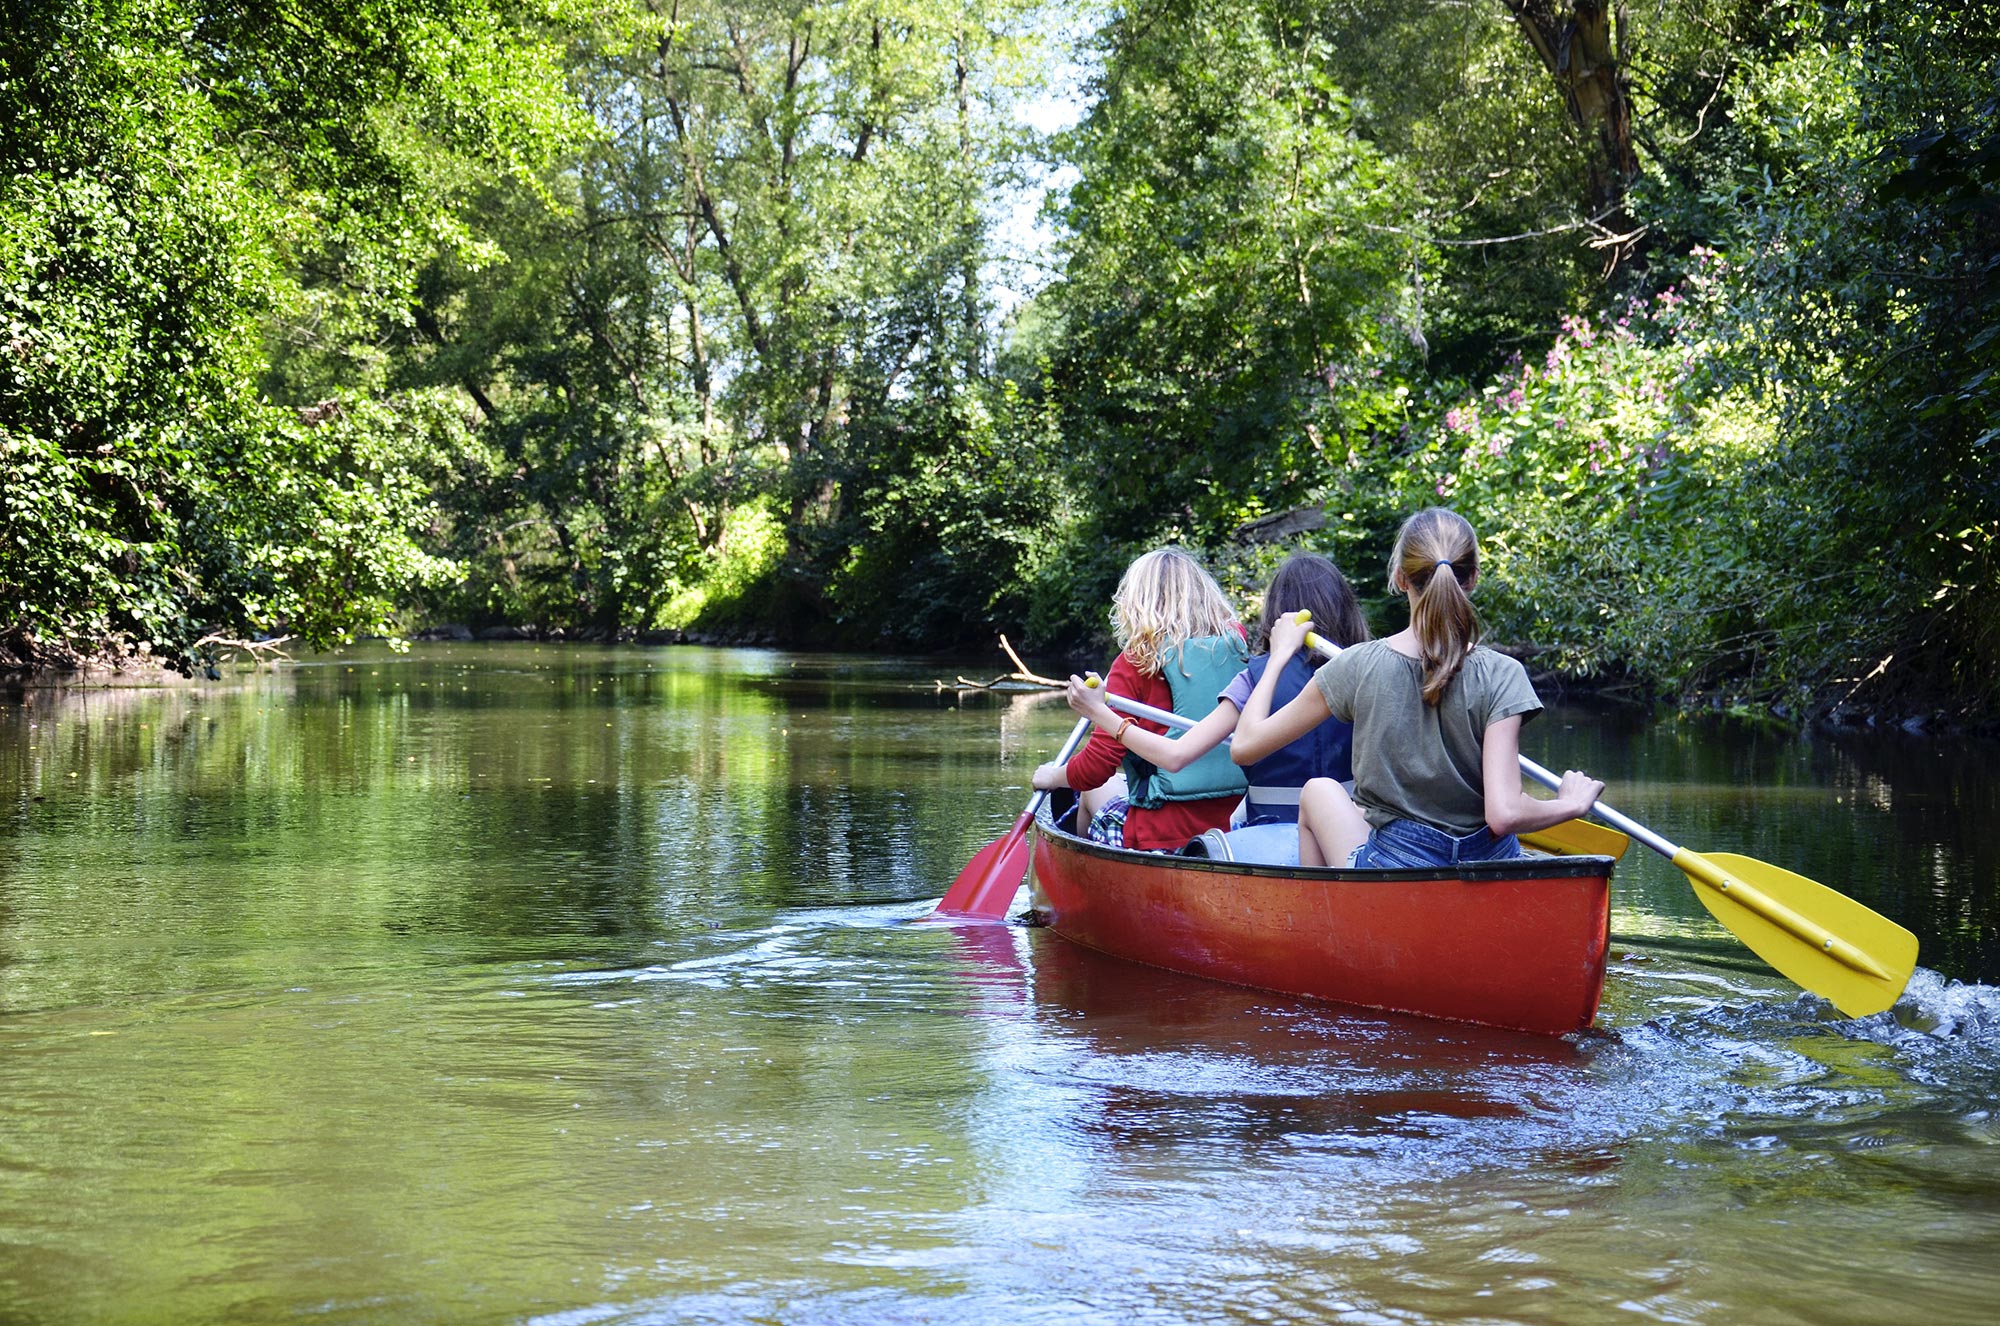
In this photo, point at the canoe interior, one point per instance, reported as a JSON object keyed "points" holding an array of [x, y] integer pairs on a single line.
{"points": [[1518, 944]]}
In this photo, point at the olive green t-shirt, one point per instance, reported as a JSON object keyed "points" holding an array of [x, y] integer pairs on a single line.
{"points": [[1414, 761]]}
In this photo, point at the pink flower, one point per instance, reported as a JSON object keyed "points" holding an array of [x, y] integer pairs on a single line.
{"points": [[1455, 421]]}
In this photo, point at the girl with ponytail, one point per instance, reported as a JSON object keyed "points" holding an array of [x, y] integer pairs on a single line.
{"points": [[1437, 725]]}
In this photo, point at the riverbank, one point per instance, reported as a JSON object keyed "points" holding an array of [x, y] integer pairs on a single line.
{"points": [[1933, 716]]}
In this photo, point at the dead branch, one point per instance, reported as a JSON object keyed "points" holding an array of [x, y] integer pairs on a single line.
{"points": [[1019, 680], [263, 651], [1021, 669]]}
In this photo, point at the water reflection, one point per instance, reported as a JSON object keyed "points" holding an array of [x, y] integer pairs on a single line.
{"points": [[519, 984]]}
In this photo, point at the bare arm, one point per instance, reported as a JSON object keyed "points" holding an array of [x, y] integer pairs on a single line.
{"points": [[1509, 809], [1260, 732], [1169, 753]]}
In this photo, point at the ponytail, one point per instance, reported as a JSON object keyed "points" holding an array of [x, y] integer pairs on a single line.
{"points": [[1436, 562]]}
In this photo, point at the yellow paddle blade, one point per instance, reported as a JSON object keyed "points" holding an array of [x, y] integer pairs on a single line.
{"points": [[1577, 838], [1824, 940]]}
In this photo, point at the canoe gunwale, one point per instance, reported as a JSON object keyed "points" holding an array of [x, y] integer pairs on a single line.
{"points": [[1521, 867]]}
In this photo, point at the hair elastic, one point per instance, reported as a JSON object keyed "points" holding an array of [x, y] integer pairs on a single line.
{"points": [[1442, 566]]}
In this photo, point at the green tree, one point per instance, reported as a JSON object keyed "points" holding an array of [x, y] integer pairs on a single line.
{"points": [[181, 180], [1773, 478], [1237, 270], [763, 274], [1855, 195]]}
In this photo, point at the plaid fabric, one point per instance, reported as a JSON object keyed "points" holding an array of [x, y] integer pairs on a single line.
{"points": [[1108, 825]]}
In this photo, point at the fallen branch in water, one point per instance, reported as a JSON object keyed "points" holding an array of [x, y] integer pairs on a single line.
{"points": [[1017, 680], [263, 651], [1021, 669], [1007, 681]]}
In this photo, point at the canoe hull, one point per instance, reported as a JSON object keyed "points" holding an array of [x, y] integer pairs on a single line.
{"points": [[1517, 944]]}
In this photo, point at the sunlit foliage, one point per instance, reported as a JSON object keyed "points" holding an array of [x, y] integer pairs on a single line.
{"points": [[181, 179], [659, 314]]}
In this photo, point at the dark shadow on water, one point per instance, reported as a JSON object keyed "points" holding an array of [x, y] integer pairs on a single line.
{"points": [[1128, 1007], [1166, 1062]]}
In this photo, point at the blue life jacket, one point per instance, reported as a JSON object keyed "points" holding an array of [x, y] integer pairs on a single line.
{"points": [[1325, 752], [1196, 674]]}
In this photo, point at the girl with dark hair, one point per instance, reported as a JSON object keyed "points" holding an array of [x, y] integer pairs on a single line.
{"points": [[1311, 583], [1437, 725]]}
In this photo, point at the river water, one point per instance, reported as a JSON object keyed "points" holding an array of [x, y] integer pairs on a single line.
{"points": [[574, 986]]}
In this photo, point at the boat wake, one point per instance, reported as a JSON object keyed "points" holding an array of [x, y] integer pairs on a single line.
{"points": [[1720, 1059], [1935, 1009]]}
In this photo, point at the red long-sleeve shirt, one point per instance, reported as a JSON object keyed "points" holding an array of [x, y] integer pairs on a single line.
{"points": [[1170, 826]]}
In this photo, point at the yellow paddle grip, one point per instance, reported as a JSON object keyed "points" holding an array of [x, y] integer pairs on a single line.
{"points": [[1314, 640]]}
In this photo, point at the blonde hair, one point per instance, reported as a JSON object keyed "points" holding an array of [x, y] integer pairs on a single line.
{"points": [[1165, 599], [1435, 562]]}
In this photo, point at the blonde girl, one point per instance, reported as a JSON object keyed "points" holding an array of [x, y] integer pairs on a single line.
{"points": [[1306, 582], [1179, 645], [1437, 725]]}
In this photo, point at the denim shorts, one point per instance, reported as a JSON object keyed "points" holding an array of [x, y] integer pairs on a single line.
{"points": [[1408, 845]]}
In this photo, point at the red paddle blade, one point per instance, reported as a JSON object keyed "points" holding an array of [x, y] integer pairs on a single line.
{"points": [[987, 885]]}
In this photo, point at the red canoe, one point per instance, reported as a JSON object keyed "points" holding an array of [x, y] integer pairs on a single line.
{"points": [[1516, 943]]}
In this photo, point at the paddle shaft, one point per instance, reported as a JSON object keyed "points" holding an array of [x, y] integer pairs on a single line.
{"points": [[1076, 736], [1627, 825], [1146, 711], [1748, 896]]}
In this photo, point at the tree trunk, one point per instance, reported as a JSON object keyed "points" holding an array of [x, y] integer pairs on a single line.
{"points": [[1581, 49], [969, 223]]}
